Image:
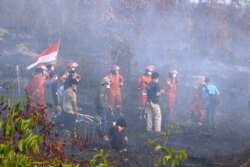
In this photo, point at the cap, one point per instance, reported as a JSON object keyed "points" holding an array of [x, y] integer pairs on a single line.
{"points": [[150, 68], [155, 75]]}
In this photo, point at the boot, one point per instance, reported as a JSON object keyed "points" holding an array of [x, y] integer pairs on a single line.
{"points": [[119, 109], [142, 114], [111, 112], [191, 118]]}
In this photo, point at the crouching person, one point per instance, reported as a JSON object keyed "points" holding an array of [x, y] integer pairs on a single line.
{"points": [[116, 138]]}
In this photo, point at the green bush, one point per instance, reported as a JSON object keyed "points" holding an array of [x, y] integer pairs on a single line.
{"points": [[169, 156]]}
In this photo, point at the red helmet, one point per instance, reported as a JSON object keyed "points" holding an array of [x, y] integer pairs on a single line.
{"points": [[115, 67], [150, 68], [71, 65], [173, 71], [201, 79]]}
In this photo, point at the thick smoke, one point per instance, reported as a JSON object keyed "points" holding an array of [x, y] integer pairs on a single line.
{"points": [[208, 39]]}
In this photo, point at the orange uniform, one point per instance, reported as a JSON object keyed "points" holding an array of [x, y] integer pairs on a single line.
{"points": [[142, 86], [170, 89], [115, 97], [37, 89], [198, 103]]}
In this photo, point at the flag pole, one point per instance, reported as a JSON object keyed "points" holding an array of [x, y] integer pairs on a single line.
{"points": [[18, 81]]}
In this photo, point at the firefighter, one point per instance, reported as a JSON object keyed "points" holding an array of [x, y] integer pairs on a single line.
{"points": [[68, 76], [115, 96], [71, 67], [143, 82], [198, 102], [170, 89], [37, 87]]}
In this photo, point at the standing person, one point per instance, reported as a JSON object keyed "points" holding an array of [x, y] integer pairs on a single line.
{"points": [[143, 82], [37, 87], [198, 102], [70, 108], [102, 101], [71, 67], [153, 109], [68, 76], [51, 96], [210, 96], [170, 89], [115, 95]]}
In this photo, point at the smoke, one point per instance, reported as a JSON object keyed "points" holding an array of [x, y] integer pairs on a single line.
{"points": [[196, 39]]}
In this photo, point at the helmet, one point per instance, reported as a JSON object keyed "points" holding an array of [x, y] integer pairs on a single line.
{"points": [[106, 80], [201, 79], [173, 71], [41, 67], [150, 68], [71, 65], [115, 67]]}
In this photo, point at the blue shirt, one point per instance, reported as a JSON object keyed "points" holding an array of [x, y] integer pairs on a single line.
{"points": [[209, 90], [212, 90]]}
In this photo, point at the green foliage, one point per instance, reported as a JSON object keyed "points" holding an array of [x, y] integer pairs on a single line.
{"points": [[100, 159], [18, 141], [169, 156]]}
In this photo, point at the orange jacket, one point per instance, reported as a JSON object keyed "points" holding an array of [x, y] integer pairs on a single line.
{"points": [[170, 86], [143, 82], [116, 81], [37, 88]]}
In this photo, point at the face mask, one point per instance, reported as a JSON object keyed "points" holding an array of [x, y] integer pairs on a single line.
{"points": [[174, 75], [73, 69], [156, 80], [149, 73], [52, 68], [107, 86]]}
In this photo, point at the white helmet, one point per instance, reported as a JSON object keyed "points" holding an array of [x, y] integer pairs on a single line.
{"points": [[106, 81]]}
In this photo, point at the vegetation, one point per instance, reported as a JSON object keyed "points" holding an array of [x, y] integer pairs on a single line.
{"points": [[24, 139], [169, 156]]}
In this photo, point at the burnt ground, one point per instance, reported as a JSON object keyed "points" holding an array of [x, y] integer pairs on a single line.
{"points": [[227, 145]]}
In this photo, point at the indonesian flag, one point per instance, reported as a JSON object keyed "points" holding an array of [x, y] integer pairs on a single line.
{"points": [[47, 56]]}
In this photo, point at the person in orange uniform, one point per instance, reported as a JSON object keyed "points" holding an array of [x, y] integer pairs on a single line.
{"points": [[115, 96], [198, 103], [37, 87], [143, 82], [71, 66], [170, 89]]}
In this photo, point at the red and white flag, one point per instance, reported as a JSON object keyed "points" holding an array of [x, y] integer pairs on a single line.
{"points": [[47, 56]]}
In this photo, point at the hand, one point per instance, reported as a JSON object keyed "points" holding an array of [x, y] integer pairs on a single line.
{"points": [[58, 108], [123, 150], [126, 138], [105, 138]]}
